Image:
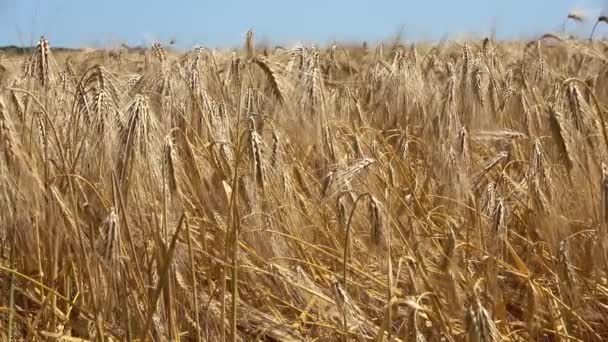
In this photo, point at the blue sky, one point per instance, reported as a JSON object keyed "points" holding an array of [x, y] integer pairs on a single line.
{"points": [[77, 23]]}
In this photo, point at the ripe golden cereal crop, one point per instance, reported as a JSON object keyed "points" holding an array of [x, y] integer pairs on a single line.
{"points": [[451, 192]]}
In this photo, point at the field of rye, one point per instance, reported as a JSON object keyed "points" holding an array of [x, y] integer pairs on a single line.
{"points": [[398, 192]]}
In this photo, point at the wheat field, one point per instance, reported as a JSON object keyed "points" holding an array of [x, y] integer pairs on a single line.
{"points": [[433, 192]]}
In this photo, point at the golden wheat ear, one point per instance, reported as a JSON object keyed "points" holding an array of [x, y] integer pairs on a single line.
{"points": [[273, 77], [249, 45], [600, 19], [41, 64], [559, 132], [576, 16], [378, 235]]}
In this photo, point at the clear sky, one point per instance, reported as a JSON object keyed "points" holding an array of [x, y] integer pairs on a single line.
{"points": [[78, 23]]}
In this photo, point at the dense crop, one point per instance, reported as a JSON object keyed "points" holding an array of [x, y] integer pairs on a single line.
{"points": [[454, 192]]}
